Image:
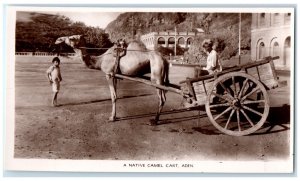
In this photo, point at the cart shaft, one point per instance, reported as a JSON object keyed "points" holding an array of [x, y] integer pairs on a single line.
{"points": [[169, 87]]}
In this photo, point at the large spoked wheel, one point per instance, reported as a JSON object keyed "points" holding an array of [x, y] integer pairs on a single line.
{"points": [[237, 104]]}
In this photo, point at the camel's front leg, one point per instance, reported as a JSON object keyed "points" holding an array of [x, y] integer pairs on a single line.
{"points": [[112, 83]]}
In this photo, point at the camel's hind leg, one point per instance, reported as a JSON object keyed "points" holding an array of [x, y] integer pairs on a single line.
{"points": [[159, 75], [112, 83], [162, 100]]}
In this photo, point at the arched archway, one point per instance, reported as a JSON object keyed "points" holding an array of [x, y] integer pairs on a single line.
{"points": [[171, 42], [189, 41], [181, 41], [287, 51], [161, 41], [260, 50], [274, 47]]}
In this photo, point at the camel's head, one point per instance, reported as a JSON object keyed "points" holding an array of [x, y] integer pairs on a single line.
{"points": [[121, 43], [74, 41]]}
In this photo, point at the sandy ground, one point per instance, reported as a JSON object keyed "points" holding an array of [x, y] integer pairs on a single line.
{"points": [[78, 128]]}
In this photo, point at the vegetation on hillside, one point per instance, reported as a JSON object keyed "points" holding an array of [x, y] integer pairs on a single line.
{"points": [[41, 30]]}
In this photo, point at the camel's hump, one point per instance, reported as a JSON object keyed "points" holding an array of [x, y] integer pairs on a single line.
{"points": [[136, 45]]}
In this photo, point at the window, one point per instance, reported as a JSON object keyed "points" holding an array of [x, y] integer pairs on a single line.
{"points": [[261, 50], [276, 50], [276, 18], [262, 19], [287, 18], [287, 51]]}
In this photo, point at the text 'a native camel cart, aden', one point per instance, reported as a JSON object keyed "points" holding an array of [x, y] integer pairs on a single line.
{"points": [[236, 100]]}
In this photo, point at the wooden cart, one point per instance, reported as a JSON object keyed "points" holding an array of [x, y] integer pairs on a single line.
{"points": [[236, 100]]}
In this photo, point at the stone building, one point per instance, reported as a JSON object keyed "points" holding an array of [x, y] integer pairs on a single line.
{"points": [[168, 38], [271, 36]]}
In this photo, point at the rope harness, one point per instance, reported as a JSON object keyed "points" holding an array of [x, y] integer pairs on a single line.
{"points": [[118, 52]]}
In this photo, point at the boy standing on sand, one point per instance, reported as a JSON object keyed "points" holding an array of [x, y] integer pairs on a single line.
{"points": [[54, 77]]}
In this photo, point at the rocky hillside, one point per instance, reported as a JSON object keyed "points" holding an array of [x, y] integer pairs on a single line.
{"points": [[222, 27]]}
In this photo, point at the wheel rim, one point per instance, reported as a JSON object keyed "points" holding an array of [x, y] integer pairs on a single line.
{"points": [[242, 106]]}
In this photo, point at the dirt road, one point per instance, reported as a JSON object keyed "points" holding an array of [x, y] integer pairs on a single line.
{"points": [[78, 128]]}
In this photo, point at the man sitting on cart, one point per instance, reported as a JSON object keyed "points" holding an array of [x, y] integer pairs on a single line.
{"points": [[212, 62]]}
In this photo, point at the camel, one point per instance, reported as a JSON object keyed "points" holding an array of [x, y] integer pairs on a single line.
{"points": [[136, 61]]}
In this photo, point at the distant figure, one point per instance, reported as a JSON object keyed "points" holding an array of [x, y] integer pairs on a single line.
{"points": [[54, 77], [212, 62]]}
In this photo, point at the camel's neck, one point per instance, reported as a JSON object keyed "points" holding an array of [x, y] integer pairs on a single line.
{"points": [[86, 58]]}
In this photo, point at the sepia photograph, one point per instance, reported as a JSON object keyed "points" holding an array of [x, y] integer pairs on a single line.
{"points": [[195, 90]]}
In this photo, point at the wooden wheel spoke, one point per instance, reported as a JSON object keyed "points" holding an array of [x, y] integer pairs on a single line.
{"points": [[220, 96], [253, 102], [242, 89], [234, 87], [246, 116], [219, 105], [238, 119], [252, 110], [229, 119], [226, 89], [250, 93], [226, 110]]}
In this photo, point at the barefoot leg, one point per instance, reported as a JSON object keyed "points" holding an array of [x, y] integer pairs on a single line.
{"points": [[112, 87], [54, 99]]}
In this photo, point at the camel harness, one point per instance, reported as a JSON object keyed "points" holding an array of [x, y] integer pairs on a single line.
{"points": [[119, 52]]}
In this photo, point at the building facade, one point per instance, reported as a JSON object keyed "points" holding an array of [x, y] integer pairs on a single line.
{"points": [[167, 39], [271, 36]]}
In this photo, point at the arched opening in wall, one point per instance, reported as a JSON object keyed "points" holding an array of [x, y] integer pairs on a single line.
{"points": [[276, 19], [171, 42], [275, 50], [287, 51], [189, 41], [287, 18], [261, 50], [262, 19], [161, 41], [181, 42]]}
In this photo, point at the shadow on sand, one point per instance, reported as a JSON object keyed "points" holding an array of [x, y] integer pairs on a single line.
{"points": [[277, 121], [164, 121], [101, 100], [279, 117]]}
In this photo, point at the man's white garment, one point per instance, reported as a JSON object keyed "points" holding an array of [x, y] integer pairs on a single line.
{"points": [[212, 62]]}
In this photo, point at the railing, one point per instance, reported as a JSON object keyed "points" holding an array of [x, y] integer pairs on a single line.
{"points": [[42, 54]]}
